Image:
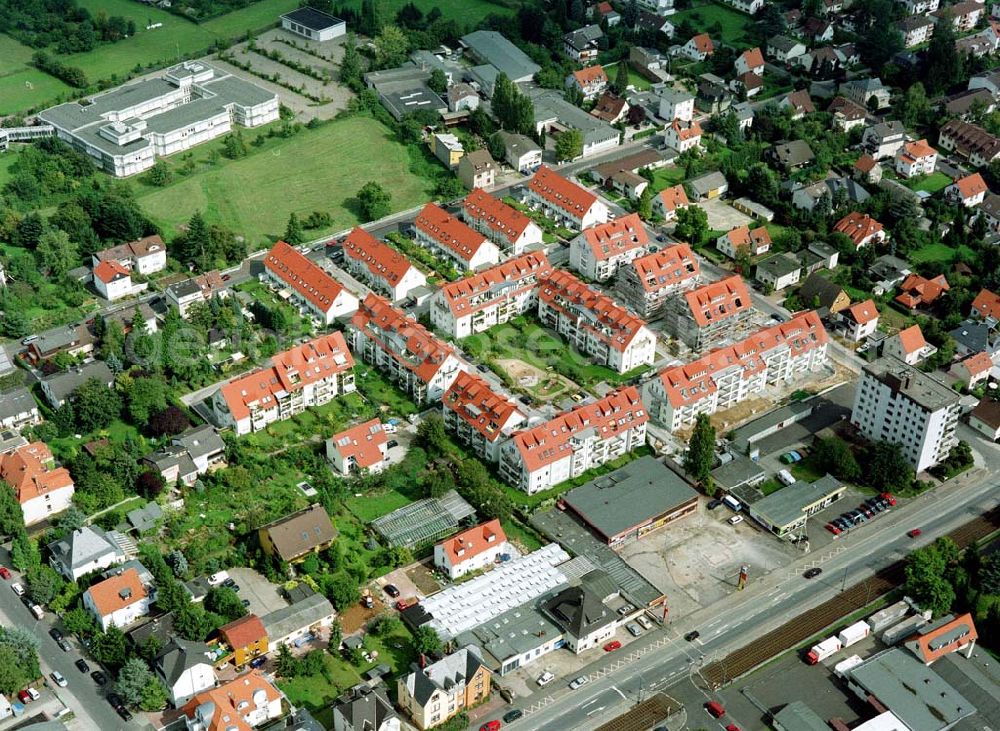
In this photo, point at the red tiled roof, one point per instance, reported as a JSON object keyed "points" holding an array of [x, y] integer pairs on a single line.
{"points": [[912, 339], [449, 232], [863, 312], [243, 632], [978, 363], [290, 370], [971, 186], [505, 220], [306, 277], [918, 290], [686, 130], [930, 645], [609, 107], [703, 42], [986, 304], [474, 541], [133, 249], [109, 271], [743, 236], [666, 267], [913, 151], [363, 442], [691, 382], [591, 74], [381, 259], [231, 701], [120, 591], [546, 443], [857, 227], [674, 197], [753, 58], [558, 191], [866, 163], [479, 406], [718, 300], [616, 237], [424, 354], [466, 296], [30, 471], [607, 320]]}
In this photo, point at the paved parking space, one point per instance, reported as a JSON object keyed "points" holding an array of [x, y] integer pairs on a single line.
{"points": [[261, 593], [722, 216]]}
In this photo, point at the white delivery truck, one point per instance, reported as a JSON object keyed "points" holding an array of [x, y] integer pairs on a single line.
{"points": [[841, 668], [823, 650], [786, 477], [853, 634]]}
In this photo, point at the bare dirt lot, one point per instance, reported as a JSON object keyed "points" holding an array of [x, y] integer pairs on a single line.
{"points": [[722, 216], [542, 385]]}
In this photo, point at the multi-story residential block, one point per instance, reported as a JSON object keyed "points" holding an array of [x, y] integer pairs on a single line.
{"points": [[399, 346], [668, 201], [594, 323], [361, 448], [916, 158], [970, 141], [964, 15], [575, 441], [676, 104], [590, 81], [884, 140], [898, 403], [756, 242], [243, 703], [477, 169], [916, 29], [710, 314], [317, 293], [381, 267], [597, 252], [189, 292], [723, 377], [505, 226], [310, 374], [492, 297], [479, 416], [447, 236], [682, 136], [144, 256], [471, 550], [119, 600], [860, 320], [432, 695], [581, 45], [969, 191], [861, 229], [42, 489], [645, 284], [566, 202], [920, 7], [18, 409]]}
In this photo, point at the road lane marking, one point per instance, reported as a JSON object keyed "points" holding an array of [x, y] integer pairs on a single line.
{"points": [[615, 689]]}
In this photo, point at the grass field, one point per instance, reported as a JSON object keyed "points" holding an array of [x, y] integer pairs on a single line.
{"points": [[932, 183], [734, 23], [13, 55], [23, 86], [316, 170], [466, 12], [667, 177], [936, 252], [639, 82]]}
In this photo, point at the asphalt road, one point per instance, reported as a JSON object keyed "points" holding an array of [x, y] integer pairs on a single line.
{"points": [[619, 680], [82, 695]]}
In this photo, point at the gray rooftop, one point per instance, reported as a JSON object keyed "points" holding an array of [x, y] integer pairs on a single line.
{"points": [[282, 622], [977, 336], [363, 707], [411, 100], [918, 696], [514, 632], [921, 388], [787, 505], [779, 265], [800, 717], [703, 184], [62, 385], [743, 436], [62, 338], [739, 471], [629, 496], [16, 401], [676, 96], [201, 441], [178, 657], [146, 517], [552, 105], [81, 547], [497, 51]]}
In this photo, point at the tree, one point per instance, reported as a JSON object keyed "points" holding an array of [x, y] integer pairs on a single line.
{"points": [[177, 562], [287, 665], [12, 677], [431, 435], [569, 145], [374, 201], [438, 82], [989, 575], [692, 224], [24, 552], [944, 67], [133, 678], [834, 455], [169, 421], [885, 467], [926, 579], [351, 70], [43, 583], [146, 396], [195, 245], [294, 233], [426, 640], [159, 175], [193, 623], [150, 484], [28, 232], [80, 622], [234, 147], [391, 47], [56, 254], [225, 602], [620, 84], [23, 644], [14, 324], [341, 590], [154, 696], [11, 514], [644, 207], [95, 405], [700, 455], [109, 647]]}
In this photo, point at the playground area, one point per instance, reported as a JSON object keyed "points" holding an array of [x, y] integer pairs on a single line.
{"points": [[541, 384]]}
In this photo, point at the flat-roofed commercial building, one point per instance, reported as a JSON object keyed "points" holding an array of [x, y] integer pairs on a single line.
{"points": [[785, 512]]}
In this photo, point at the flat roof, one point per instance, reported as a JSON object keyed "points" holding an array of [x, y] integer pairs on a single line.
{"points": [[630, 496], [737, 472], [313, 19], [514, 632], [915, 693], [551, 105], [496, 50], [742, 437], [921, 388], [788, 505]]}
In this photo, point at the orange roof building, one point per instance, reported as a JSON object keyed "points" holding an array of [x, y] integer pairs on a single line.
{"points": [[861, 229], [750, 61], [475, 549], [757, 241], [575, 441], [319, 294], [711, 313], [447, 236], [668, 201], [916, 158], [505, 226], [242, 704], [310, 374], [598, 251], [492, 297], [591, 81], [860, 320], [723, 377], [380, 266], [361, 448], [917, 291], [682, 135], [974, 369], [479, 416], [246, 637], [119, 600], [943, 637], [969, 191], [645, 284], [568, 203], [42, 489], [986, 304], [112, 280], [417, 361], [700, 46], [909, 345], [593, 322]]}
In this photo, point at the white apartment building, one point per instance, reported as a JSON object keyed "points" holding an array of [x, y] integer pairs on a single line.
{"points": [[405, 350], [645, 284], [479, 416], [42, 489], [722, 378], [471, 550], [317, 293], [594, 323], [597, 252], [916, 158], [506, 227], [492, 297], [575, 441], [898, 403], [675, 104], [710, 314], [566, 202], [381, 267]]}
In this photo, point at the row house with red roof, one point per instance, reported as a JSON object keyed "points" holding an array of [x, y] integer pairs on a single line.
{"points": [[970, 141], [419, 363], [381, 267], [597, 252], [310, 374], [723, 377], [575, 441], [479, 416], [710, 314], [594, 323], [645, 284], [757, 241], [471, 550], [317, 293], [506, 227], [447, 236], [491, 297], [567, 203], [41, 488], [361, 448]]}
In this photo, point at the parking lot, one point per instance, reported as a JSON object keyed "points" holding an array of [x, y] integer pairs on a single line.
{"points": [[722, 216], [262, 594]]}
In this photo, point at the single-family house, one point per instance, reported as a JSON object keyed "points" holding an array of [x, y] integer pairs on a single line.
{"points": [[860, 320], [112, 281], [203, 288], [365, 707], [867, 169], [295, 536], [864, 91], [969, 191], [60, 387], [698, 48], [861, 229], [610, 108], [185, 669], [590, 81], [84, 551], [245, 702], [973, 370], [144, 256], [477, 169], [668, 201], [784, 49], [985, 418], [884, 140], [792, 155], [520, 152], [917, 291], [682, 136], [756, 242], [908, 345], [360, 448], [433, 694], [676, 104], [462, 96], [471, 550], [799, 103], [778, 271], [245, 638], [915, 158], [119, 600], [819, 292], [582, 45], [986, 305], [847, 114], [18, 409], [750, 61], [42, 489], [963, 15], [817, 30], [301, 621]]}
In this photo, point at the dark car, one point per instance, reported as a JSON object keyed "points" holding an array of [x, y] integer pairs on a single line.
{"points": [[692, 635], [63, 644], [230, 582], [115, 700], [524, 400], [246, 602], [392, 443], [125, 714], [713, 504], [82, 665], [258, 661], [55, 634], [512, 715], [481, 368], [813, 572], [99, 677], [391, 590]]}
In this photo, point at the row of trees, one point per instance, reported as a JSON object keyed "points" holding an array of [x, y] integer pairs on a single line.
{"points": [[61, 24]]}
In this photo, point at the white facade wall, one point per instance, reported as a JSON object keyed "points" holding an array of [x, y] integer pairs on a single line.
{"points": [[46, 505], [478, 562], [195, 133], [120, 618], [597, 213], [192, 681], [113, 290]]}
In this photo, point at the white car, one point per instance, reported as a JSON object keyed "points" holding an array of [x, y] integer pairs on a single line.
{"points": [[545, 678], [579, 682], [736, 519], [58, 678], [18, 588]]}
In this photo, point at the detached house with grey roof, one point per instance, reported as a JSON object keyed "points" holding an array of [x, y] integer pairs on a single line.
{"points": [[365, 708], [185, 668], [86, 550], [432, 695]]}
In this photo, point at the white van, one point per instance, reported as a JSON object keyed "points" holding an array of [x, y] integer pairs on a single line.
{"points": [[731, 502], [736, 519], [786, 477]]}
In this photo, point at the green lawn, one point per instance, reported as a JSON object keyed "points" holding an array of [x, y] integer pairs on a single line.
{"points": [[118, 432], [667, 177], [369, 506], [13, 55], [28, 88], [936, 253], [48, 307], [703, 16], [465, 12], [639, 82], [315, 170], [936, 181]]}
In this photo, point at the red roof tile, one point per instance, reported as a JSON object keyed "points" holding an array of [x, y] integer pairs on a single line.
{"points": [[306, 277], [471, 294], [719, 300], [497, 215], [686, 130], [231, 701], [363, 442], [866, 163], [978, 364], [930, 645], [109, 271], [971, 185], [559, 192], [666, 268], [30, 471], [913, 151], [381, 259], [243, 632], [479, 406], [590, 75], [703, 43], [863, 312], [917, 290], [474, 541], [606, 320], [911, 339], [616, 237], [742, 236], [449, 232], [674, 197], [753, 58], [120, 591], [986, 304], [857, 227]]}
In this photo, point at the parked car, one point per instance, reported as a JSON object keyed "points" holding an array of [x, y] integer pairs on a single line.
{"points": [[644, 622], [790, 458], [29, 694], [579, 682], [4, 573], [612, 646], [392, 443], [889, 498], [99, 677], [813, 572], [258, 661], [512, 715], [735, 520], [692, 635], [914, 533], [402, 604], [55, 634], [18, 588], [833, 529], [713, 504], [633, 629], [481, 368], [391, 590], [625, 609], [545, 678], [715, 709], [493, 725], [733, 727], [64, 645], [82, 665], [58, 678], [229, 582]]}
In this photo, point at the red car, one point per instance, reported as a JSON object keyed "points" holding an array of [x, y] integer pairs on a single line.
{"points": [[889, 498], [732, 727], [914, 533], [4, 573], [833, 529], [612, 646], [402, 604], [715, 709], [493, 725]]}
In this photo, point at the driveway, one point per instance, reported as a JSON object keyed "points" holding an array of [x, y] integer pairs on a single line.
{"points": [[261, 593], [722, 216]]}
